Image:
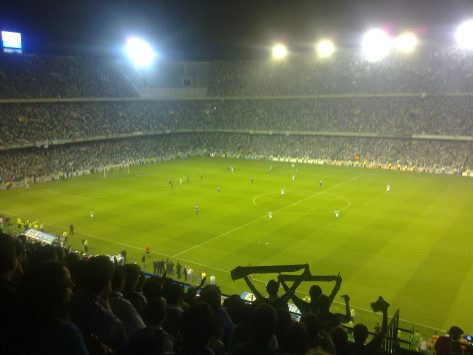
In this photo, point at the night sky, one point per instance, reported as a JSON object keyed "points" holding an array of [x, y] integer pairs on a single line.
{"points": [[219, 29]]}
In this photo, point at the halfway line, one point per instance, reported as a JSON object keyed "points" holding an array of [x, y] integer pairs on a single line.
{"points": [[264, 216]]}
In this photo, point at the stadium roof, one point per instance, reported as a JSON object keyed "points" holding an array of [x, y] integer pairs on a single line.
{"points": [[216, 29]]}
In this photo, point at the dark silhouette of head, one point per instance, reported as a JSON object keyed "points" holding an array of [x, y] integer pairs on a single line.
{"points": [[236, 308], [264, 321], [340, 339], [96, 275], [118, 280], [43, 253], [212, 296], [315, 292], [197, 326], [46, 289], [155, 311], [295, 339], [152, 289], [360, 333], [174, 294], [455, 333], [272, 287], [132, 276]]}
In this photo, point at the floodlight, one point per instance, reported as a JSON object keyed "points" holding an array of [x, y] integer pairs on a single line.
{"points": [[325, 48], [406, 42], [464, 35], [376, 45], [279, 51], [140, 52]]}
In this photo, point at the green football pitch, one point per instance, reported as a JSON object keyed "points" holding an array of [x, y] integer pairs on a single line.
{"points": [[413, 245]]}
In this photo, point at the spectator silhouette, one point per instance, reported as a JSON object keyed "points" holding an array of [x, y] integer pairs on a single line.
{"points": [[133, 278], [89, 308], [328, 320], [295, 340], [451, 344], [174, 295], [272, 288], [121, 307], [212, 295], [153, 339], [263, 321], [314, 292], [44, 292], [360, 332], [197, 329]]}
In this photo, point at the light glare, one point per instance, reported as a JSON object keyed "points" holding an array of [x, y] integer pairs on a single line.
{"points": [[279, 51], [464, 35], [325, 48], [140, 53], [376, 45], [406, 43]]}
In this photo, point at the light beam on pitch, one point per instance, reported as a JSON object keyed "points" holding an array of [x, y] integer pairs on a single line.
{"points": [[376, 45], [140, 53], [325, 48], [464, 35], [279, 51]]}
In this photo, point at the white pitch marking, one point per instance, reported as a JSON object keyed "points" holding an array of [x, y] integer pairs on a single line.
{"points": [[258, 218]]}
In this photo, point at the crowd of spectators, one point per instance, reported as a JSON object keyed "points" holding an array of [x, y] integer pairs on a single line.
{"points": [[428, 70], [54, 301], [33, 163], [386, 116], [44, 76]]}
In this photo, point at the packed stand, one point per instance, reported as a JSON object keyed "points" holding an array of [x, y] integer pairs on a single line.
{"points": [[44, 76], [428, 70], [65, 160], [386, 116]]}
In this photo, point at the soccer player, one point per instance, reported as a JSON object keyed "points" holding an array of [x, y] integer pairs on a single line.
{"points": [[71, 229], [293, 177], [196, 208], [218, 188], [201, 176], [282, 191], [337, 213], [91, 214], [388, 188], [270, 168], [321, 183], [251, 180], [270, 215]]}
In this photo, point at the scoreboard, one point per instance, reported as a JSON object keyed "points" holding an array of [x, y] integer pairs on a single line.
{"points": [[11, 42]]}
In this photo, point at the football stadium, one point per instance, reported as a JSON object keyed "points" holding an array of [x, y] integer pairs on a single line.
{"points": [[298, 203]]}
